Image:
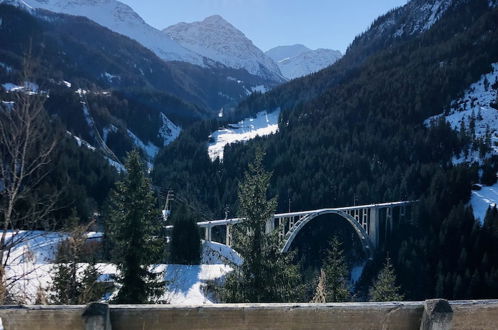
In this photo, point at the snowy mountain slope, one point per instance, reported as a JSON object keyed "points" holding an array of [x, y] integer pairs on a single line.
{"points": [[483, 199], [264, 123], [280, 53], [220, 41], [399, 24], [477, 110], [415, 17], [308, 62], [119, 18]]}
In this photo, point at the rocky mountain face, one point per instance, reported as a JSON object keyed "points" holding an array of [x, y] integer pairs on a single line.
{"points": [[219, 41]]}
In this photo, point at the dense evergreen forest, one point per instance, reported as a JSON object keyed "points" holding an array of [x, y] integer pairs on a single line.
{"points": [[353, 133], [363, 140]]}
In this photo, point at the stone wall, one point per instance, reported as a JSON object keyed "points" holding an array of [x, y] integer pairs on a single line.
{"points": [[435, 314]]}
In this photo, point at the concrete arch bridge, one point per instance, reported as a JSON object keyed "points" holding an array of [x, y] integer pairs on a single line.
{"points": [[365, 220]]}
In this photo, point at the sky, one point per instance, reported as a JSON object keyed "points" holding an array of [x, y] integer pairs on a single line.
{"points": [[269, 23]]}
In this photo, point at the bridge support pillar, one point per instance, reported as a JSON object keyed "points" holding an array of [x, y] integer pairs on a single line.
{"points": [[389, 220], [229, 235], [373, 230], [270, 225], [207, 234], [364, 220]]}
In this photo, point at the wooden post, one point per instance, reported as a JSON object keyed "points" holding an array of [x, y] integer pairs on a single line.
{"points": [[438, 315]]}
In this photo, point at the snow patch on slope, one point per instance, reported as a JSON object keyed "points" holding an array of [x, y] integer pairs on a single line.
{"points": [[264, 123], [482, 199], [308, 62], [29, 88], [476, 105], [413, 18], [169, 132], [150, 149], [107, 130]]}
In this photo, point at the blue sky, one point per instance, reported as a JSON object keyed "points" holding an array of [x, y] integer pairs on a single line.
{"points": [[268, 23]]}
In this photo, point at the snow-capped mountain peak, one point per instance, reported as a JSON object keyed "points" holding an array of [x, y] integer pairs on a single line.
{"points": [[280, 53], [119, 18], [220, 41], [298, 60]]}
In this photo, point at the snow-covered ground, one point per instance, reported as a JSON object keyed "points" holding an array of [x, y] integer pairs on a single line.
{"points": [[356, 272], [33, 255], [476, 106], [482, 199], [263, 124], [28, 87]]}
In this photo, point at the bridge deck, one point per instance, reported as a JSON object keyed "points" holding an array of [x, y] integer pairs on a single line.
{"points": [[232, 221]]}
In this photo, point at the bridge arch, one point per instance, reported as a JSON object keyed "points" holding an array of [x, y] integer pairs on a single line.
{"points": [[360, 231]]}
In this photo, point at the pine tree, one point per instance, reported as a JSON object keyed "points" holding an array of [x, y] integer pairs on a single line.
{"points": [[320, 296], [134, 231], [66, 289], [92, 289], [336, 272], [74, 282], [266, 275], [384, 287], [185, 247]]}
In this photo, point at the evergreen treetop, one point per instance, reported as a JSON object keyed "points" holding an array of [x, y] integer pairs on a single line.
{"points": [[135, 233], [266, 274], [336, 273], [384, 287]]}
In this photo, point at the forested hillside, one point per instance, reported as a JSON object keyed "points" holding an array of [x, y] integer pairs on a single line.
{"points": [[354, 133]]}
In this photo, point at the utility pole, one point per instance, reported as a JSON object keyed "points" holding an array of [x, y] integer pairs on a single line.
{"points": [[227, 210], [288, 195]]}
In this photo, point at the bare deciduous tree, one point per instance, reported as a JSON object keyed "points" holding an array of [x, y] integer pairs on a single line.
{"points": [[26, 146]]}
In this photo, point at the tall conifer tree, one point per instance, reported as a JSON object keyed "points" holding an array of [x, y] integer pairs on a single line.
{"points": [[134, 230], [336, 272], [266, 275], [384, 287]]}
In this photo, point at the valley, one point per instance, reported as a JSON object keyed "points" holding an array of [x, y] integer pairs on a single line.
{"points": [[184, 165]]}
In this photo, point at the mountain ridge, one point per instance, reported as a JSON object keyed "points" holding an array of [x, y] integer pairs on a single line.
{"points": [[298, 60], [217, 39]]}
